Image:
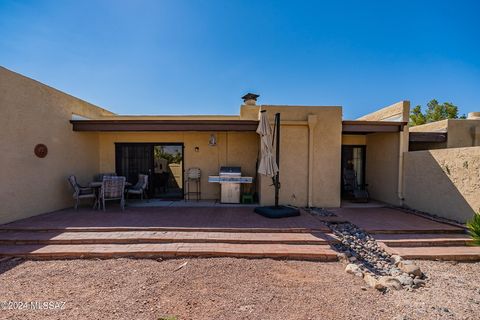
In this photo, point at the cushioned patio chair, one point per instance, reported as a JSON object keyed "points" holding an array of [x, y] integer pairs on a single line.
{"points": [[113, 188], [140, 188], [80, 192]]}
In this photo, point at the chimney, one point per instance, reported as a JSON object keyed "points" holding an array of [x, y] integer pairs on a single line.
{"points": [[473, 115], [250, 99]]}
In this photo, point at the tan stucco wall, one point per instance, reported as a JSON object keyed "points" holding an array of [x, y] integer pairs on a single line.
{"points": [[460, 133], [382, 166], [384, 160], [396, 112], [444, 182], [463, 133], [437, 126], [33, 113], [232, 149], [354, 139], [294, 173]]}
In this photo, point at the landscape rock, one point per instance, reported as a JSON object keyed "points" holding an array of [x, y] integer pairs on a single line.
{"points": [[405, 280], [366, 258], [411, 269], [342, 257], [396, 259], [373, 282], [354, 269], [390, 282], [419, 282]]}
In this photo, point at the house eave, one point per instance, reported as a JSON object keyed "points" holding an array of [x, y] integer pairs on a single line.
{"points": [[164, 125], [365, 127]]}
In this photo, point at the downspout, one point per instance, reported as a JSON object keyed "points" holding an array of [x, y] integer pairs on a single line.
{"points": [[403, 143], [312, 122]]}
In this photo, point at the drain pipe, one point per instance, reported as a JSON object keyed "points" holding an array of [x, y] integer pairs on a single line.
{"points": [[403, 147], [312, 122]]}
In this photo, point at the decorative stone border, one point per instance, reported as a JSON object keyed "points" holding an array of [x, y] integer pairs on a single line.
{"points": [[365, 258]]}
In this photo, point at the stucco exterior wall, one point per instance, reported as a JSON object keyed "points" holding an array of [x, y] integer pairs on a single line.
{"points": [[460, 133], [463, 133], [294, 157], [437, 126], [354, 139], [232, 149], [396, 112], [384, 159], [444, 182], [33, 113], [382, 165]]}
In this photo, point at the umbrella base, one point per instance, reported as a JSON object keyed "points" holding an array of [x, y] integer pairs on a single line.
{"points": [[277, 212]]}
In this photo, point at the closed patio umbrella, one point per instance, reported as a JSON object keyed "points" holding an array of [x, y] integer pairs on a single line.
{"points": [[267, 166]]}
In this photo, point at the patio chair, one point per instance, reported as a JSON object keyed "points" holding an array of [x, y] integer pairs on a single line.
{"points": [[193, 177], [80, 192], [351, 187], [113, 188], [140, 187], [99, 177]]}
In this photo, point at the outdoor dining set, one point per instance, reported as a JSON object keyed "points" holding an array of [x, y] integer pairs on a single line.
{"points": [[107, 187]]}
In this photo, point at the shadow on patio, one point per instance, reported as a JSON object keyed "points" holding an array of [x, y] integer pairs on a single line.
{"points": [[204, 218]]}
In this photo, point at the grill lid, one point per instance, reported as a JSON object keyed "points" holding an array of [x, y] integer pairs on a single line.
{"points": [[237, 171]]}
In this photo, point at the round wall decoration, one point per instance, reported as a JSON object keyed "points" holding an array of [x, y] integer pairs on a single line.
{"points": [[41, 150]]}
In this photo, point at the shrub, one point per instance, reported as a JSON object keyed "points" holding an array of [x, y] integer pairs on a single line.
{"points": [[474, 228]]}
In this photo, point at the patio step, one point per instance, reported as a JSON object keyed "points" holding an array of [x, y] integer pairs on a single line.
{"points": [[187, 229], [423, 240], [434, 231], [126, 237], [152, 250], [463, 253]]}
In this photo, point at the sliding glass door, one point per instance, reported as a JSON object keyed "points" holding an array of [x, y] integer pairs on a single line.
{"points": [[162, 162]]}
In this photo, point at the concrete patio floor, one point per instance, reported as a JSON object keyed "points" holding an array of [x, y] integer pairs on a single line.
{"points": [[223, 231], [384, 220], [201, 218]]}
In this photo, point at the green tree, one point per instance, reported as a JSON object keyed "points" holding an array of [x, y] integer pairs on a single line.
{"points": [[417, 117], [435, 112]]}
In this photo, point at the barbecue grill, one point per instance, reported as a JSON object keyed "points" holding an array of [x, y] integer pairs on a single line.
{"points": [[230, 179]]}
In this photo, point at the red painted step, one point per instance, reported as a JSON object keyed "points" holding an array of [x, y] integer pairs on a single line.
{"points": [[464, 253], [119, 237], [423, 240], [284, 251]]}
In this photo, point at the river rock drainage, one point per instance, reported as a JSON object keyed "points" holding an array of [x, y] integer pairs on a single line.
{"points": [[366, 259]]}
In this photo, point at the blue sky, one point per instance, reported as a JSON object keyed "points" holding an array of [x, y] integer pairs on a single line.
{"points": [[200, 57]]}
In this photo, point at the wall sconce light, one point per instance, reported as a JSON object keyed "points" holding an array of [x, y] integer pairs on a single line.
{"points": [[197, 149], [212, 141]]}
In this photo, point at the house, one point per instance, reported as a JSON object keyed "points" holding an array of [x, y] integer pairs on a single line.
{"points": [[82, 139]]}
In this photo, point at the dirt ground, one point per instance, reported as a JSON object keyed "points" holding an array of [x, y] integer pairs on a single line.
{"points": [[227, 288]]}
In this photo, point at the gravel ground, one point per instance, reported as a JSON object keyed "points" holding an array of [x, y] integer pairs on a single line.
{"points": [[228, 288]]}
